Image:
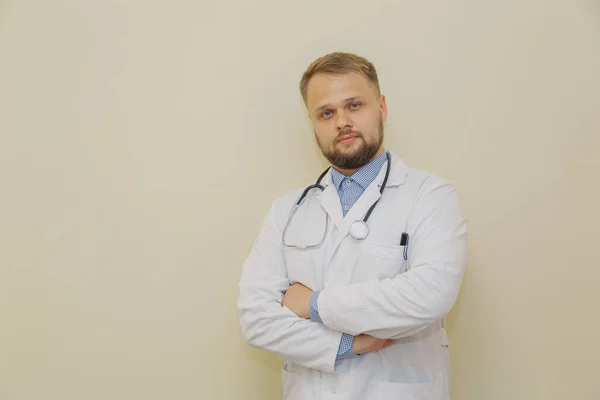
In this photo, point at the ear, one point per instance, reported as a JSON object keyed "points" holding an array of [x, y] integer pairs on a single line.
{"points": [[383, 107]]}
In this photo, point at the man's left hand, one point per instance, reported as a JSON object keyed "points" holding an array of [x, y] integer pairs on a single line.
{"points": [[297, 299]]}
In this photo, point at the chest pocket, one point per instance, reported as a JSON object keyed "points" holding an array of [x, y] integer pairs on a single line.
{"points": [[378, 261], [300, 266]]}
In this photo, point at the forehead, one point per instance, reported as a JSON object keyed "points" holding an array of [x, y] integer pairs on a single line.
{"points": [[333, 88]]}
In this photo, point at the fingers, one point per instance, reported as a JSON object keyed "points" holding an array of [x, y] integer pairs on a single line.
{"points": [[366, 344]]}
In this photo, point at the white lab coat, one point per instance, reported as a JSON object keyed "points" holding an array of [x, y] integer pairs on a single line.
{"points": [[367, 287]]}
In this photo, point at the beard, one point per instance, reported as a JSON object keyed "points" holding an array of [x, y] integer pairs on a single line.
{"points": [[357, 158]]}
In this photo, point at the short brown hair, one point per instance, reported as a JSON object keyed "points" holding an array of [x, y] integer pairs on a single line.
{"points": [[339, 63]]}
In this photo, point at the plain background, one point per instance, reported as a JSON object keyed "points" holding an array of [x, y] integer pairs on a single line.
{"points": [[142, 143]]}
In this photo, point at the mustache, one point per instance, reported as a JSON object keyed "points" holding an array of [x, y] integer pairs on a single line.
{"points": [[345, 132]]}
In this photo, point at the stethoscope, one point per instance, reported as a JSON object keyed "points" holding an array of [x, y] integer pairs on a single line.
{"points": [[359, 229]]}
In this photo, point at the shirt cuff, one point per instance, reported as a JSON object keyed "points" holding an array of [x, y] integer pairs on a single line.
{"points": [[345, 349], [314, 307]]}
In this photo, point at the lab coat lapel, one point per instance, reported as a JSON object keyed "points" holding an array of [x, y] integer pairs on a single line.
{"points": [[357, 212], [366, 200], [330, 201]]}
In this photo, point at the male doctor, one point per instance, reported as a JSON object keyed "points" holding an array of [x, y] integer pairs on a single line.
{"points": [[356, 309]]}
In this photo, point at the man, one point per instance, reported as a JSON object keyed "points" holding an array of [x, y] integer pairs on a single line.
{"points": [[356, 310]]}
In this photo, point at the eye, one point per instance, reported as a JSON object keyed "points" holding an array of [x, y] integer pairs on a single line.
{"points": [[326, 114], [354, 105]]}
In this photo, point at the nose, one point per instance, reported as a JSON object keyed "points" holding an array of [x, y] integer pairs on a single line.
{"points": [[343, 121]]}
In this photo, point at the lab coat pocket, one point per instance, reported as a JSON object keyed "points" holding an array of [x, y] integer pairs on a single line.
{"points": [[299, 266], [378, 261], [432, 390]]}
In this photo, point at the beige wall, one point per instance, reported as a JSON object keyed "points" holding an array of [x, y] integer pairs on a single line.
{"points": [[131, 132]]}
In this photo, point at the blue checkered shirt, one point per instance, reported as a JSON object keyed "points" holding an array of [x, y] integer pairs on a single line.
{"points": [[349, 188]]}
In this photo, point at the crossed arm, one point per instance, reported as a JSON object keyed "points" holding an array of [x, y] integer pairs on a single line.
{"points": [[277, 317], [269, 325]]}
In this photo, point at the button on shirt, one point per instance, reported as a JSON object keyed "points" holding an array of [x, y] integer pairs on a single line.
{"points": [[349, 189]]}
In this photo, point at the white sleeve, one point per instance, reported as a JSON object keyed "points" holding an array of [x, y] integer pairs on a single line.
{"points": [[411, 301], [265, 323]]}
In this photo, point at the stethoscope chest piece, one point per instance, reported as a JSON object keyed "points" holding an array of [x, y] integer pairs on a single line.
{"points": [[359, 230]]}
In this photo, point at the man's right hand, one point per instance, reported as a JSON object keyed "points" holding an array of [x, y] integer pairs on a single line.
{"points": [[365, 343]]}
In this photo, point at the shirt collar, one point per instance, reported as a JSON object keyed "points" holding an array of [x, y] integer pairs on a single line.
{"points": [[364, 176]]}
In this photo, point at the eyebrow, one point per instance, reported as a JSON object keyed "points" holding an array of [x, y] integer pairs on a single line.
{"points": [[349, 99]]}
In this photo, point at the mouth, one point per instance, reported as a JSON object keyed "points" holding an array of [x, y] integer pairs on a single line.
{"points": [[347, 139]]}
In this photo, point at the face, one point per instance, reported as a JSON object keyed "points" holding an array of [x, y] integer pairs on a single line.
{"points": [[347, 115]]}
